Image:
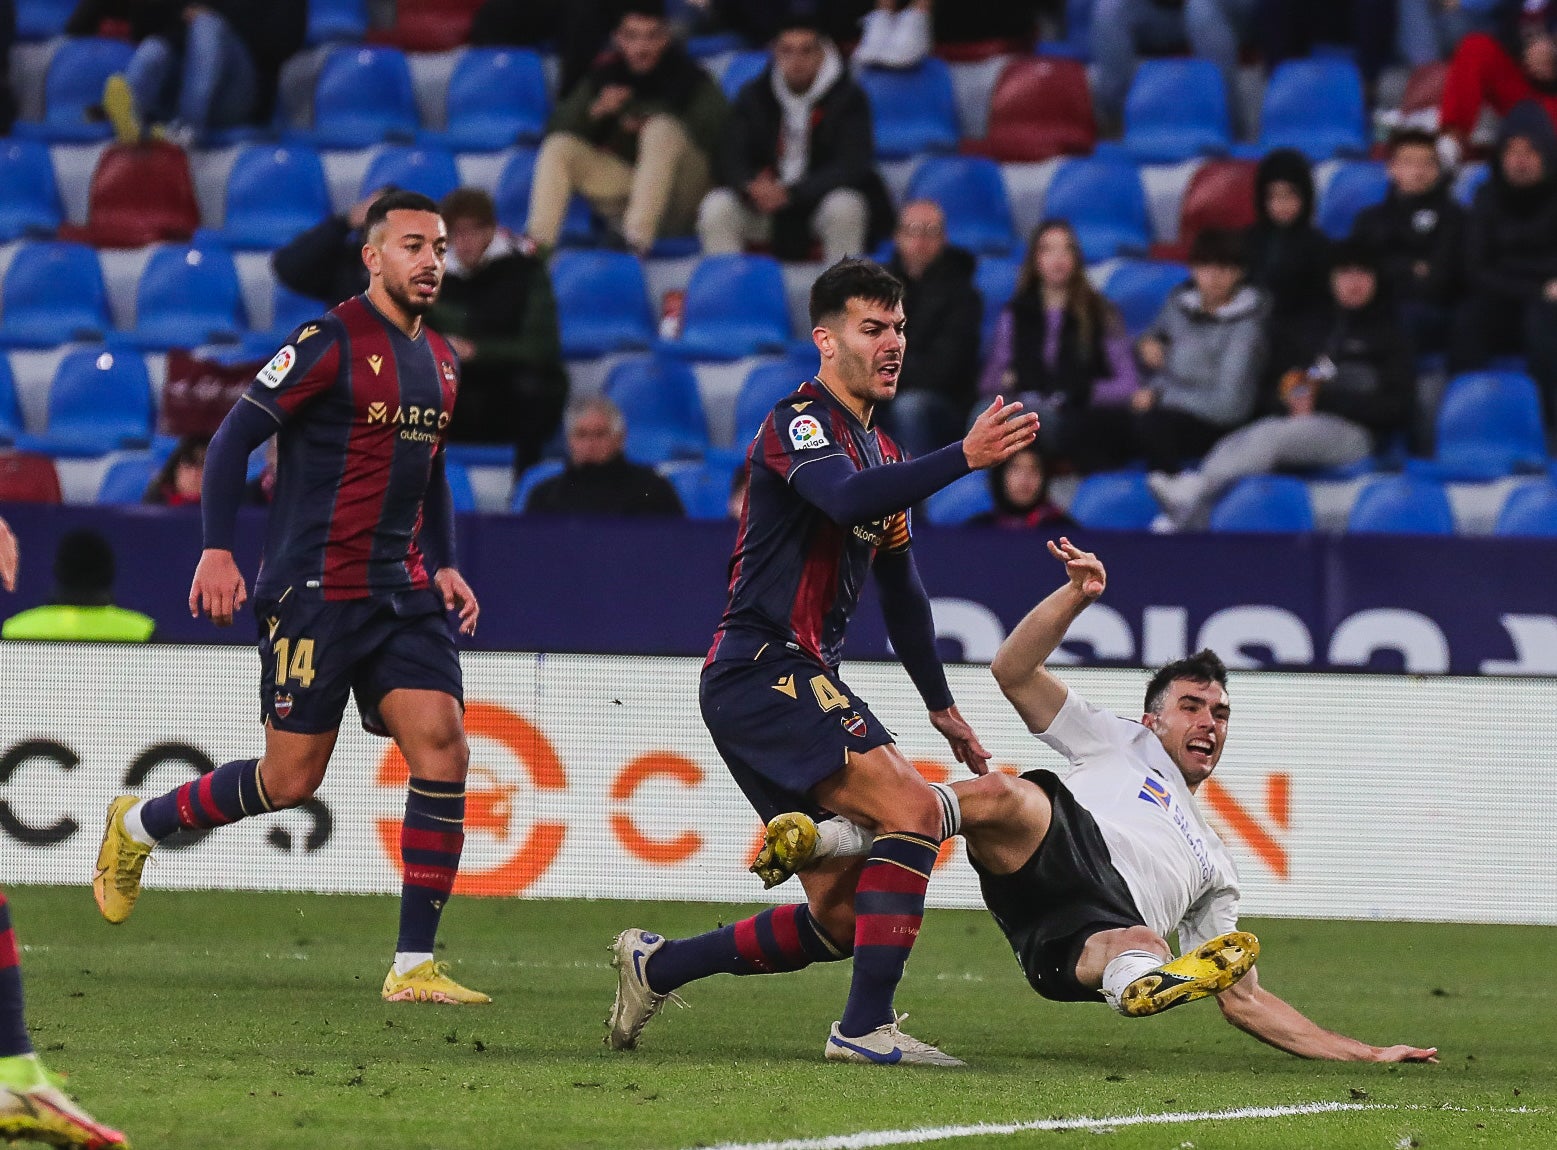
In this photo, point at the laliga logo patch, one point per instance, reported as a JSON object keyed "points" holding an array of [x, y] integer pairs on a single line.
{"points": [[283, 704], [805, 431], [276, 370], [448, 371], [854, 723]]}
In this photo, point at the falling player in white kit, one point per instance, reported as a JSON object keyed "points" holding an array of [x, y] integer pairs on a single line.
{"points": [[1088, 875]]}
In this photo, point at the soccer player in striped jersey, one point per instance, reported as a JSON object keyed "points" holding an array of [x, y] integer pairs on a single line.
{"points": [[353, 592], [828, 502]]}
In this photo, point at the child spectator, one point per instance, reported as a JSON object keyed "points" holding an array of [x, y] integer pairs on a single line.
{"points": [[178, 483], [1020, 487], [1288, 255]]}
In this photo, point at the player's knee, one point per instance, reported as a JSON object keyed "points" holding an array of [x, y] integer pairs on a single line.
{"points": [[990, 799], [919, 812], [289, 784]]}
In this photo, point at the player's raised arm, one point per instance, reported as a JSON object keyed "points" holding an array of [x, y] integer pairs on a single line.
{"points": [[1255, 1010], [1019, 664]]}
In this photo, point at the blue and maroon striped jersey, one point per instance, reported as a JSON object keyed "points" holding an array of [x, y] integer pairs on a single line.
{"points": [[363, 410], [795, 577]]}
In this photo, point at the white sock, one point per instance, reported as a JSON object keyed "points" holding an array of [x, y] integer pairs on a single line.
{"points": [[838, 836], [951, 810], [1124, 970], [408, 960], [137, 829]]}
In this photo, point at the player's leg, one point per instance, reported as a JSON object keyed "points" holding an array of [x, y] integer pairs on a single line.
{"points": [[1135, 969]]}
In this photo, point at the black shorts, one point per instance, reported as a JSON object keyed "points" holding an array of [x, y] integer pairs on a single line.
{"points": [[314, 653], [782, 724], [1067, 892]]}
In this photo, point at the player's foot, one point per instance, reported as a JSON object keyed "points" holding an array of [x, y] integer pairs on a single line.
{"points": [[1208, 969], [117, 883], [119, 107], [34, 1108], [635, 1002], [429, 982], [887, 1046], [788, 844]]}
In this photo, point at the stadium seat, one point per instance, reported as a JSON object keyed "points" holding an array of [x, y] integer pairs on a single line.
{"points": [[29, 197], [1469, 182], [1401, 505], [1488, 426], [187, 296], [42, 19], [332, 20], [1316, 106], [127, 478], [26, 477], [1139, 288], [1105, 203], [972, 193], [430, 25], [704, 487], [763, 387], [290, 310], [743, 68], [533, 477], [1219, 195], [363, 95], [74, 83], [1114, 501], [1040, 108], [1274, 503], [411, 168], [1352, 187], [53, 293], [273, 193], [735, 306], [659, 399], [996, 281], [497, 98], [960, 501], [11, 424], [513, 201], [1530, 512], [463, 494], [602, 303], [141, 194], [914, 109], [100, 401], [1176, 110]]}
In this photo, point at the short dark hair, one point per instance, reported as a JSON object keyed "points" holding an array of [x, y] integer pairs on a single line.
{"points": [[1204, 666], [852, 278], [472, 204], [83, 568], [1412, 137], [396, 201], [1221, 247]]}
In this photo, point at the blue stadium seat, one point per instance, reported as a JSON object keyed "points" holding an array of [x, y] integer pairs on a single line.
{"points": [[11, 424], [1469, 182], [704, 487], [1530, 511], [127, 478], [659, 399], [1176, 109], [533, 477], [464, 495], [1275, 503], [363, 96], [1401, 505], [1139, 288], [497, 98], [1352, 187], [99, 401], [743, 68], [1105, 203], [29, 197], [331, 20], [74, 83], [42, 19], [996, 281], [960, 501], [412, 168], [1114, 501], [735, 307], [763, 387], [273, 193], [1316, 106], [972, 193], [913, 109], [187, 296], [602, 303], [53, 293], [1488, 426], [513, 201]]}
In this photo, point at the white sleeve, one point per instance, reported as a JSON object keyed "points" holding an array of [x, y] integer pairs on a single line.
{"points": [[1214, 913], [1083, 733]]}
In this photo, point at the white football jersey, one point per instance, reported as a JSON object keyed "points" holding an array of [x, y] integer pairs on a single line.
{"points": [[1177, 869]]}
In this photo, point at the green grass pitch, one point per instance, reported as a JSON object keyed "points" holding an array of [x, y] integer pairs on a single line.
{"points": [[253, 1020]]}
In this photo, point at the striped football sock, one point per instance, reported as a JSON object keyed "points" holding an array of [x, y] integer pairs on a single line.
{"points": [[13, 1028], [231, 792], [888, 908], [784, 938], [431, 839]]}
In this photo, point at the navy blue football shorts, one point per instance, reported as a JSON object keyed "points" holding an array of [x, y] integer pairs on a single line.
{"points": [[783, 723], [315, 653]]}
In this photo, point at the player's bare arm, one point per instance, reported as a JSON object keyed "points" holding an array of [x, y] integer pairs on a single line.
{"points": [[8, 556], [1018, 666], [457, 596], [1258, 1012], [1000, 431], [218, 589], [964, 743]]}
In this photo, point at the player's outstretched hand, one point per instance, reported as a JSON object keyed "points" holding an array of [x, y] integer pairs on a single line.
{"points": [[1001, 430], [964, 743], [457, 596], [218, 589], [1084, 568], [1407, 1054], [9, 557]]}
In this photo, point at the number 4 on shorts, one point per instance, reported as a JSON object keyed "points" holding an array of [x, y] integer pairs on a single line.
{"points": [[828, 697]]}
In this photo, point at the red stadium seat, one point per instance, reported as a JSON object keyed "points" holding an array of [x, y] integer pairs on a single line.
{"points": [[429, 25], [1220, 195], [977, 51], [141, 194], [1424, 89], [28, 478], [1040, 108]]}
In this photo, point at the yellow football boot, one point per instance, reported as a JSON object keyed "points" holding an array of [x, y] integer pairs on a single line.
{"points": [[1209, 969], [117, 883], [788, 844], [429, 982]]}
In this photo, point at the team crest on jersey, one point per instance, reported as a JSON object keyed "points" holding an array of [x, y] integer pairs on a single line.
{"points": [[854, 723], [283, 704], [805, 431], [448, 371], [276, 370], [1154, 792]]}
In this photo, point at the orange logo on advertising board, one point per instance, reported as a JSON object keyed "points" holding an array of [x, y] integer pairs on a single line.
{"points": [[1245, 826], [660, 764]]}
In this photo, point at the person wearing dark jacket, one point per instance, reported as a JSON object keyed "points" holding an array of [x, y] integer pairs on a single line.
{"points": [[1344, 387], [599, 479], [1511, 255], [1288, 255], [795, 159], [1515, 61], [1020, 489], [497, 311], [325, 262]]}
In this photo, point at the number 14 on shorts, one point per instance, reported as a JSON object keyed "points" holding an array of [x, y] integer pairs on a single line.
{"points": [[301, 666]]}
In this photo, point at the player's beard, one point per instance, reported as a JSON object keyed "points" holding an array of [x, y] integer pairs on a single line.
{"points": [[859, 376], [411, 304]]}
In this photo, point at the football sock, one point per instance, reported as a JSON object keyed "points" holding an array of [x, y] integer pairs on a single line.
{"points": [[1124, 969], [783, 938], [135, 828], [407, 961], [431, 839], [13, 1029], [838, 836], [231, 792], [888, 908], [951, 810]]}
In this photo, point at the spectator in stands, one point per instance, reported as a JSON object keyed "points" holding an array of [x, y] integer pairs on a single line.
{"points": [[497, 311], [759, 21], [1288, 255], [636, 137], [1123, 30], [1289, 29], [894, 34], [1427, 31], [795, 159], [1511, 255], [325, 262], [1345, 379], [1020, 488], [1204, 354], [82, 607], [936, 387], [1061, 348], [1515, 61], [599, 479], [177, 483], [1418, 234]]}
